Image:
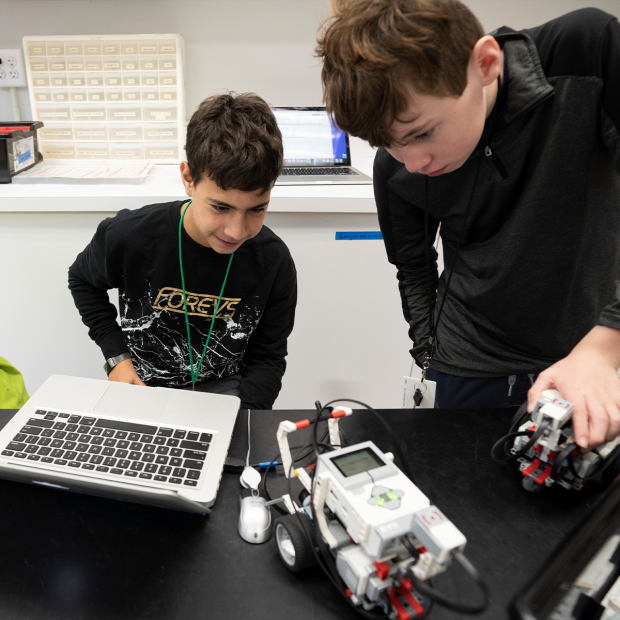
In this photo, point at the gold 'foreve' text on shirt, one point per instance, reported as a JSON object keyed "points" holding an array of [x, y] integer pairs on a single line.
{"points": [[198, 304]]}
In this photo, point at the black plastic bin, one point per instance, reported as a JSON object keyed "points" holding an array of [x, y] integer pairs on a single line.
{"points": [[19, 148]]}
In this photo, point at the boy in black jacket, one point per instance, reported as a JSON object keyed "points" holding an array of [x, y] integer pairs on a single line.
{"points": [[207, 293], [510, 142]]}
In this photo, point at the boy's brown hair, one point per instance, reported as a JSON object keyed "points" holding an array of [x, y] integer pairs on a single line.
{"points": [[235, 141], [372, 50]]}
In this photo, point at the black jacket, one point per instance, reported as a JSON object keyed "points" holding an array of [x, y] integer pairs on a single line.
{"points": [[138, 253], [540, 258]]}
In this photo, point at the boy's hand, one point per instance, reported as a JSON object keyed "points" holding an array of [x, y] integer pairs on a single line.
{"points": [[588, 378], [124, 372]]}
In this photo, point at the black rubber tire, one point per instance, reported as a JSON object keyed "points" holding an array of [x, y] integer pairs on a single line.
{"points": [[289, 528]]}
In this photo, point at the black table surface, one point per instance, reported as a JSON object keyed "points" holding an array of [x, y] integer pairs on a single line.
{"points": [[68, 556]]}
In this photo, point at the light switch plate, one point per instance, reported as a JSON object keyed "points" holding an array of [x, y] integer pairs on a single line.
{"points": [[12, 69]]}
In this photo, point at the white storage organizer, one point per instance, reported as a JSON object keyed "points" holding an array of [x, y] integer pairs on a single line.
{"points": [[108, 97]]}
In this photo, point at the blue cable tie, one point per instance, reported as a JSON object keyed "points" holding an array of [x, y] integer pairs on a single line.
{"points": [[266, 464]]}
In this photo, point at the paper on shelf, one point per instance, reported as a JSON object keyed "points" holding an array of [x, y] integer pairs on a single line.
{"points": [[134, 170]]}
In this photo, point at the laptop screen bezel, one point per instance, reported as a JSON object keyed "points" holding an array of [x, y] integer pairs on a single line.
{"points": [[347, 161]]}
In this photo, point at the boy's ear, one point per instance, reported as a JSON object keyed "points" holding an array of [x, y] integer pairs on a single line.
{"points": [[488, 59], [186, 177]]}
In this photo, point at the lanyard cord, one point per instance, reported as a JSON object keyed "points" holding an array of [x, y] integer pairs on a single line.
{"points": [[217, 307], [432, 323]]}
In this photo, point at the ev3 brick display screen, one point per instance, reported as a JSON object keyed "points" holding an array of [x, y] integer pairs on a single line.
{"points": [[357, 462]]}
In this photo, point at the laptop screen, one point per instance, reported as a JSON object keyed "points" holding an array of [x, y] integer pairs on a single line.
{"points": [[311, 138]]}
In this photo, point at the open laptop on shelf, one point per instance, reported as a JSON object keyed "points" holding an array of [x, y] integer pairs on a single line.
{"points": [[316, 151], [157, 446]]}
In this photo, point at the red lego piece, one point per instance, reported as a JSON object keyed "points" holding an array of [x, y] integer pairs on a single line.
{"points": [[405, 590], [537, 448], [312, 466], [383, 570], [348, 593], [401, 612], [532, 428], [542, 477], [528, 471], [551, 455], [422, 550], [302, 424]]}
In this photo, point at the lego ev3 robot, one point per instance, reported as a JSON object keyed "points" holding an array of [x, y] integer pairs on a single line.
{"points": [[544, 445], [372, 530]]}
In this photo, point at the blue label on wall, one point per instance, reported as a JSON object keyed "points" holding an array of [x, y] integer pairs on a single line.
{"points": [[24, 157], [358, 236]]}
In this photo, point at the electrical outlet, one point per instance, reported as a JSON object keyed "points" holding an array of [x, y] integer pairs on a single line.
{"points": [[12, 68]]}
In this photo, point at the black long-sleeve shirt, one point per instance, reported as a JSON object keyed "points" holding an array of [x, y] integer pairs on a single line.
{"points": [[541, 253], [137, 252]]}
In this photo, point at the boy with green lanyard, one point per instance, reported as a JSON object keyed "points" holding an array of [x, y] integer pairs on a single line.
{"points": [[207, 294]]}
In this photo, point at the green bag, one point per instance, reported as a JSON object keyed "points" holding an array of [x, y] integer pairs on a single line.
{"points": [[13, 393]]}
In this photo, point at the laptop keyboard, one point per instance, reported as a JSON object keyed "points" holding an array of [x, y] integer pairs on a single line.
{"points": [[161, 455], [321, 171]]}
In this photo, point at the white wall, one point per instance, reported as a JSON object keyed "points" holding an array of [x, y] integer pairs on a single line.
{"points": [[264, 46]]}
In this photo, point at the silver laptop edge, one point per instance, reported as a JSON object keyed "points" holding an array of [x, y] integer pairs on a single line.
{"points": [[212, 413]]}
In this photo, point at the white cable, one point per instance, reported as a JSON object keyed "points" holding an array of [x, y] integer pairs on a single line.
{"points": [[16, 112], [247, 458]]}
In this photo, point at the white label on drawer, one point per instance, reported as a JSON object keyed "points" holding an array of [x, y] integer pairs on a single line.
{"points": [[73, 50], [167, 65], [76, 114], [58, 132], [149, 65], [124, 114], [53, 114], [95, 82], [54, 51], [78, 97], [124, 133], [75, 65], [77, 82], [58, 82], [153, 152], [114, 96], [111, 65], [130, 50], [92, 50], [59, 151], [148, 49], [57, 66], [166, 96], [150, 95], [92, 66], [39, 65], [42, 97], [149, 81], [160, 116], [60, 97], [102, 153], [159, 133], [131, 80], [37, 50], [95, 97], [109, 48], [166, 81], [167, 48], [130, 65], [125, 153], [40, 82], [131, 95], [113, 81], [80, 134]]}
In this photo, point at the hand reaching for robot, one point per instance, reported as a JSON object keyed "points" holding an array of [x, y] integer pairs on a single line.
{"points": [[588, 378]]}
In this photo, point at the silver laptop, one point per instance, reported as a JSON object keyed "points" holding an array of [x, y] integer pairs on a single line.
{"points": [[157, 446], [315, 150]]}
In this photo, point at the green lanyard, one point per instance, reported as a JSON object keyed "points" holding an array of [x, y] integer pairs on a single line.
{"points": [[189, 342]]}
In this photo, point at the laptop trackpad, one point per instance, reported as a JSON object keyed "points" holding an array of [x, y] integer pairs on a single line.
{"points": [[133, 401]]}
